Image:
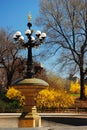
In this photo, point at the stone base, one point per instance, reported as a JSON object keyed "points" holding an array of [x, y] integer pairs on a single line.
{"points": [[31, 119], [28, 123]]}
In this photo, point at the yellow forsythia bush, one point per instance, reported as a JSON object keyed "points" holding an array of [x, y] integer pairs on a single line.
{"points": [[14, 94], [75, 88], [50, 98], [86, 90]]}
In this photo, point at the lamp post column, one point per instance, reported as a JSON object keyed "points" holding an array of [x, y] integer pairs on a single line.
{"points": [[30, 71]]}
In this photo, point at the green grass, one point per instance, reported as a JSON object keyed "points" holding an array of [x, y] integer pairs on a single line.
{"points": [[76, 95]]}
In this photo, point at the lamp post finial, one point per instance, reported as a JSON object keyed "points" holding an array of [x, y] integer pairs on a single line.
{"points": [[29, 17]]}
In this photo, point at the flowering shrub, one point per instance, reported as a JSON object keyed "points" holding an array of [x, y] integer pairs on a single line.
{"points": [[13, 100], [75, 88], [50, 98]]}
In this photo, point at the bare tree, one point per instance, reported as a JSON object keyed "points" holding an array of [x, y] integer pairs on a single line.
{"points": [[9, 59], [65, 22]]}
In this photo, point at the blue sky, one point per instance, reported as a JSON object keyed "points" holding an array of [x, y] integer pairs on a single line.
{"points": [[14, 13]]}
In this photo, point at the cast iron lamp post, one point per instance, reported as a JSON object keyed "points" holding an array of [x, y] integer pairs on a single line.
{"points": [[32, 42]]}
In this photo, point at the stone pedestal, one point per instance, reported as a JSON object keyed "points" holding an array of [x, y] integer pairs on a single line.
{"points": [[9, 120], [30, 87], [31, 119]]}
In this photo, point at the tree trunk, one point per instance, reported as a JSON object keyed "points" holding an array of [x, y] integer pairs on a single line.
{"points": [[9, 79], [82, 85]]}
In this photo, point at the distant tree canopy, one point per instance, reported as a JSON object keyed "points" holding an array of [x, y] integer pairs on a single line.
{"points": [[65, 22], [55, 81]]}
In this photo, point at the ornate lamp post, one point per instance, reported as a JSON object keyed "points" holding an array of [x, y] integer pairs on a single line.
{"points": [[32, 42]]}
